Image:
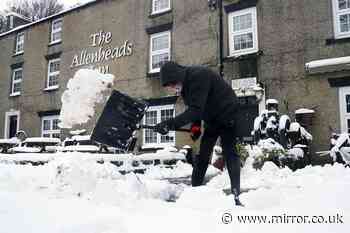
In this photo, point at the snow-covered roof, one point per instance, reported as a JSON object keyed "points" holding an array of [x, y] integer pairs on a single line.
{"points": [[304, 110], [327, 62], [18, 15], [49, 17]]}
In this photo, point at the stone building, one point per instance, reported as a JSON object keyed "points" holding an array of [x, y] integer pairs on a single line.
{"points": [[297, 51]]}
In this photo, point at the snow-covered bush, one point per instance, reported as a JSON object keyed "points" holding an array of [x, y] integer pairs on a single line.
{"points": [[340, 151], [283, 142]]}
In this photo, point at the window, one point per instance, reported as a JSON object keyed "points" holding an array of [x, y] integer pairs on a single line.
{"points": [[154, 115], [17, 75], [53, 73], [344, 106], [49, 127], [19, 47], [56, 31], [341, 18], [159, 6], [243, 33], [159, 50]]}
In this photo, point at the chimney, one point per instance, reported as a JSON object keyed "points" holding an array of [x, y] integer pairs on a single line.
{"points": [[15, 20]]}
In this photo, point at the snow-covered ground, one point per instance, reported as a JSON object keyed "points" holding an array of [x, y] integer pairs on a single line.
{"points": [[73, 194]]}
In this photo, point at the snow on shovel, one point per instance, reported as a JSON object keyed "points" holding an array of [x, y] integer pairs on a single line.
{"points": [[84, 91]]}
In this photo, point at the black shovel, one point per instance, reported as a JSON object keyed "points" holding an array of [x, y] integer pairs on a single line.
{"points": [[119, 121]]}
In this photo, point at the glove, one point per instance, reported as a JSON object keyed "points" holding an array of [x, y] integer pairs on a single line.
{"points": [[196, 131], [162, 128]]}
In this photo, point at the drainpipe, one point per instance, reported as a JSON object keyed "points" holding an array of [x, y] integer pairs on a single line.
{"points": [[221, 40]]}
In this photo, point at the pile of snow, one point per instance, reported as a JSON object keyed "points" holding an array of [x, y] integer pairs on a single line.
{"points": [[340, 146], [83, 92], [72, 194]]}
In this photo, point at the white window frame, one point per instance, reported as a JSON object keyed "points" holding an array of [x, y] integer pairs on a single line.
{"points": [[336, 20], [50, 74], [171, 133], [344, 115], [19, 43], [57, 30], [7, 122], [155, 11], [13, 82], [158, 52], [50, 131], [253, 30]]}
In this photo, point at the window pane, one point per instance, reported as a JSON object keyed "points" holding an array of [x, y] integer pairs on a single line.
{"points": [[150, 119], [243, 41], [55, 124], [46, 135], [16, 87], [56, 135], [53, 80], [160, 43], [158, 60], [347, 101], [242, 22], [343, 4], [57, 25], [19, 43], [345, 23], [18, 75], [54, 66], [56, 36], [160, 5], [46, 125], [166, 139], [166, 114]]}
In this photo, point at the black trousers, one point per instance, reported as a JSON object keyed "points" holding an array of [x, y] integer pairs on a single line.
{"points": [[232, 160]]}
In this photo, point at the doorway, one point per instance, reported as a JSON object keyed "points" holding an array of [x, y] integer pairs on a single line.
{"points": [[11, 124]]}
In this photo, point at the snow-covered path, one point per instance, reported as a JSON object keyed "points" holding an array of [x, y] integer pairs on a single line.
{"points": [[76, 196]]}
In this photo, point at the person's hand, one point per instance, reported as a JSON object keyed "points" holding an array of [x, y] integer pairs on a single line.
{"points": [[195, 131], [162, 128]]}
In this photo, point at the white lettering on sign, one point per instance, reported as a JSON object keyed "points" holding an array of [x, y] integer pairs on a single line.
{"points": [[102, 54]]}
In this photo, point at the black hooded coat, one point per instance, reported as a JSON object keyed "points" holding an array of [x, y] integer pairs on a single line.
{"points": [[207, 95]]}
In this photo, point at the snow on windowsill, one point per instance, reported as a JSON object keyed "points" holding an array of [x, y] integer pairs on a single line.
{"points": [[55, 42], [18, 53], [51, 88], [156, 13], [327, 62], [15, 94], [242, 53], [304, 111]]}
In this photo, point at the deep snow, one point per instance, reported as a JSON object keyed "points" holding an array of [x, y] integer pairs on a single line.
{"points": [[76, 194]]}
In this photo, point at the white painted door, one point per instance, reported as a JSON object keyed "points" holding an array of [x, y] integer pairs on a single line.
{"points": [[344, 102]]}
